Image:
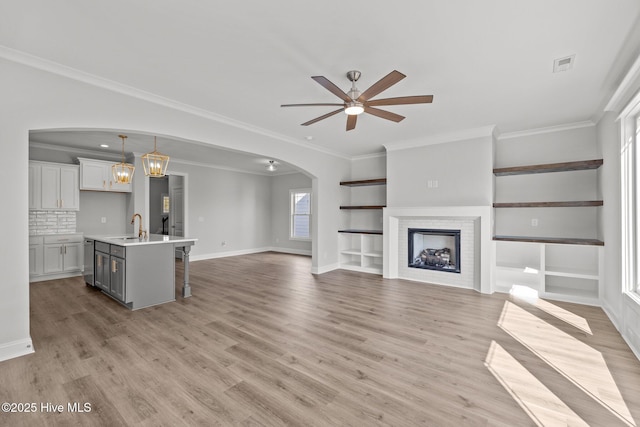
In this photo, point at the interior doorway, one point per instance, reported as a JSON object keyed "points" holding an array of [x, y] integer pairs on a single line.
{"points": [[167, 206]]}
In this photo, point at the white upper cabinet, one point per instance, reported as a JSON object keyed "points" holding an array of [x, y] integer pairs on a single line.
{"points": [[34, 185], [96, 175], [53, 187]]}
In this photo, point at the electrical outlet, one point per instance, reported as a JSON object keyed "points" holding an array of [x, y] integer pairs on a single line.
{"points": [[224, 243], [103, 220], [534, 222]]}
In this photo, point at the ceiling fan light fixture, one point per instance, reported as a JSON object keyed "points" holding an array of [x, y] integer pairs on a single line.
{"points": [[354, 108]]}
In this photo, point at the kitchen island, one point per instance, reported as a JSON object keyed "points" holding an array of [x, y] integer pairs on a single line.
{"points": [[139, 272]]}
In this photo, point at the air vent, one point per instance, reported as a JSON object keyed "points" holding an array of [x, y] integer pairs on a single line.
{"points": [[563, 64]]}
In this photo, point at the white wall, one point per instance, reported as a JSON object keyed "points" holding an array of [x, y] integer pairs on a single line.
{"points": [[609, 221], [226, 206], [548, 146], [463, 170], [280, 186], [36, 99]]}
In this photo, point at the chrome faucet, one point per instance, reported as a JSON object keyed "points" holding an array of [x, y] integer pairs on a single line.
{"points": [[141, 233]]}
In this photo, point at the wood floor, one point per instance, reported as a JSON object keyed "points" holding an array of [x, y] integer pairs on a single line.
{"points": [[264, 342]]}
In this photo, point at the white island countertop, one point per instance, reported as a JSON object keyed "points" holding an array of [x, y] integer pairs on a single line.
{"points": [[151, 239]]}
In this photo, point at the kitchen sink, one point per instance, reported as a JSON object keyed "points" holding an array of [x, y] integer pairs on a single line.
{"points": [[125, 238]]}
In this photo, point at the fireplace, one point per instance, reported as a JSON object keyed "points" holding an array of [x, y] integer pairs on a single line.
{"points": [[434, 249]]}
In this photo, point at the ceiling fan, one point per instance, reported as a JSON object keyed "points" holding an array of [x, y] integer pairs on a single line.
{"points": [[356, 102]]}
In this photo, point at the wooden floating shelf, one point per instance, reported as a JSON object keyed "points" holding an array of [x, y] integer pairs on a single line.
{"points": [[559, 240], [549, 167], [363, 207], [376, 181], [575, 204], [355, 231]]}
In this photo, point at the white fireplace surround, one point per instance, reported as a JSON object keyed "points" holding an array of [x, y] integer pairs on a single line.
{"points": [[475, 225]]}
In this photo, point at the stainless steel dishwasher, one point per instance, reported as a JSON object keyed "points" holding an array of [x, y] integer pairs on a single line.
{"points": [[88, 261]]}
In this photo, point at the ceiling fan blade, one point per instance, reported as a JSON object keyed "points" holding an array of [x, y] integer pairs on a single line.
{"points": [[308, 105], [384, 83], [384, 114], [351, 121], [317, 119], [325, 83], [402, 100]]}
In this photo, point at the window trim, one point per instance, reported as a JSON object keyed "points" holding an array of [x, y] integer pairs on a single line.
{"points": [[630, 196], [292, 192]]}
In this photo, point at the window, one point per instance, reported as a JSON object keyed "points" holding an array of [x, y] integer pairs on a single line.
{"points": [[300, 225], [630, 197]]}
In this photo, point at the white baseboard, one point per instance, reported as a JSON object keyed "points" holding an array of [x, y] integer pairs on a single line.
{"points": [[608, 310], [325, 268], [202, 257], [14, 349], [55, 276], [314, 270], [214, 255], [291, 251]]}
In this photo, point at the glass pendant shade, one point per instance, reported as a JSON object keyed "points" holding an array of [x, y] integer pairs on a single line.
{"points": [[122, 172], [155, 163]]}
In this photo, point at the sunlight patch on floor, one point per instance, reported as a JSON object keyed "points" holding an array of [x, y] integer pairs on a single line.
{"points": [[578, 362], [564, 315], [542, 406]]}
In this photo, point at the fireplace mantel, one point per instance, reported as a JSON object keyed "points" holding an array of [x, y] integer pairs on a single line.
{"points": [[483, 245]]}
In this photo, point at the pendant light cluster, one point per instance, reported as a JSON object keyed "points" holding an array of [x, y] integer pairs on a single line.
{"points": [[154, 164], [122, 172]]}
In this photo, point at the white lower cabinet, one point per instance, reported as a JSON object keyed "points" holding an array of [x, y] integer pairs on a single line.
{"points": [[55, 256], [361, 252], [36, 256], [564, 272]]}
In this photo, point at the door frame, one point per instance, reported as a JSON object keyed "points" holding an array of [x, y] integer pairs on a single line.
{"points": [[185, 198]]}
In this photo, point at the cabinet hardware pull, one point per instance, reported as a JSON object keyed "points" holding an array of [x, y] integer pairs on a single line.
{"points": [[65, 249], [61, 203], [99, 261], [104, 183], [113, 266]]}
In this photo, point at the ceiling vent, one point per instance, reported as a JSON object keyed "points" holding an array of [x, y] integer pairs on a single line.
{"points": [[563, 64]]}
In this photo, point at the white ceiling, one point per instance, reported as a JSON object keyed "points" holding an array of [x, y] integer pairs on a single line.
{"points": [[486, 62]]}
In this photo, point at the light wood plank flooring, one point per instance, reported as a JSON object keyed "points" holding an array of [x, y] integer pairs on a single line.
{"points": [[264, 342]]}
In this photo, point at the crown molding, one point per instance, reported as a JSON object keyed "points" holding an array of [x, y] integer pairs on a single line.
{"points": [[226, 168], [460, 135], [75, 151], [369, 156], [550, 129], [620, 96], [111, 85]]}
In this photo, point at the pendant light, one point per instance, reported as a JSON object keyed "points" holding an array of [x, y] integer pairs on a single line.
{"points": [[122, 172], [155, 163]]}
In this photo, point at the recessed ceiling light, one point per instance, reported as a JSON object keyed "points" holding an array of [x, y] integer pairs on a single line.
{"points": [[104, 145], [308, 138]]}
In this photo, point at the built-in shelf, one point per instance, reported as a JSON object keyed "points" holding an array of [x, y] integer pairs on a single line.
{"points": [[559, 240], [363, 207], [549, 167], [356, 231], [376, 181], [572, 204], [361, 249]]}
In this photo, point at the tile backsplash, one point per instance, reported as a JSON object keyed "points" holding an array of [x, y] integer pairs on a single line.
{"points": [[52, 222]]}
